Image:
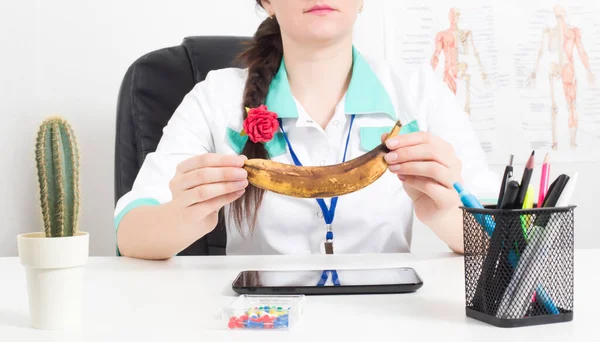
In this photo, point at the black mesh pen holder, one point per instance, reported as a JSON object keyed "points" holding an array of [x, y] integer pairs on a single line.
{"points": [[519, 265]]}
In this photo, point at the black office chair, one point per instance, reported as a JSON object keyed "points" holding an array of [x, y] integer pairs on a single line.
{"points": [[152, 89]]}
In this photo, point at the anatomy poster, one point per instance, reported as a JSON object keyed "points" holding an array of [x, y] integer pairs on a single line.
{"points": [[520, 70], [554, 66]]}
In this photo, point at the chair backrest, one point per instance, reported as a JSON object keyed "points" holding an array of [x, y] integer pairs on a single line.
{"points": [[151, 90]]}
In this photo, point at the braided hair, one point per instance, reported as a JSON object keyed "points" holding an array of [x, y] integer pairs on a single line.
{"points": [[262, 58]]}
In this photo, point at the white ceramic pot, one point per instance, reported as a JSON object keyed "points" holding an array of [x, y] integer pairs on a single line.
{"points": [[55, 286]]}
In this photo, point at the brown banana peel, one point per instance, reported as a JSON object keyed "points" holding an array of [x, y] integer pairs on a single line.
{"points": [[320, 181]]}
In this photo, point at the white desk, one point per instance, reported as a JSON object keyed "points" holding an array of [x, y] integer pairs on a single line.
{"points": [[181, 299]]}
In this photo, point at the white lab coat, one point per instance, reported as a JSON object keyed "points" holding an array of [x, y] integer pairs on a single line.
{"points": [[376, 219]]}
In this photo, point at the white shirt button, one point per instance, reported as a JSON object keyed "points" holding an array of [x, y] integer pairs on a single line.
{"points": [[320, 214], [335, 123]]}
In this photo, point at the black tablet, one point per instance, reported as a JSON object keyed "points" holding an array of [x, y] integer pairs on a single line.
{"points": [[326, 282]]}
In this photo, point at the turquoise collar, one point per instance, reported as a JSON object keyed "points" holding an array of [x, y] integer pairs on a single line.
{"points": [[365, 95]]}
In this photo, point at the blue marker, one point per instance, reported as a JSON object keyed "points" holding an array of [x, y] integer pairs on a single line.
{"points": [[486, 221], [469, 201], [466, 197]]}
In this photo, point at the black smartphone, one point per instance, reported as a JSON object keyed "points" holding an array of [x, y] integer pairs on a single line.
{"points": [[312, 282]]}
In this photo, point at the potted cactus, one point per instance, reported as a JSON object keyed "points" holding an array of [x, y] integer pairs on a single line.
{"points": [[54, 258]]}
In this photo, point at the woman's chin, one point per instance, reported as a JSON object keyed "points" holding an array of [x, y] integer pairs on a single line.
{"points": [[324, 34]]}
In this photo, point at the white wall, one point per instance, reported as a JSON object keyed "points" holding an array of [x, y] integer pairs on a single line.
{"points": [[68, 57]]}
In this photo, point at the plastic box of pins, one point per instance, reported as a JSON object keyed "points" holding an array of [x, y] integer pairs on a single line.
{"points": [[256, 312]]}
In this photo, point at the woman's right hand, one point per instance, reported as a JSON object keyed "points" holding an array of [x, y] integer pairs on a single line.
{"points": [[204, 184]]}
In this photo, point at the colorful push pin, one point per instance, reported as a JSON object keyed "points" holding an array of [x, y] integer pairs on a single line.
{"points": [[255, 324], [232, 322], [283, 319]]}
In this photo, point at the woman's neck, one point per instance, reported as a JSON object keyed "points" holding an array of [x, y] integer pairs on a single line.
{"points": [[319, 76]]}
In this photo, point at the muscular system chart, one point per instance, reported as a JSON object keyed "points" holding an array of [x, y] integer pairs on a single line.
{"points": [[557, 82], [527, 74], [458, 44]]}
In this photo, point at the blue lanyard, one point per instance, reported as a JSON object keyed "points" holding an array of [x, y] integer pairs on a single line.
{"points": [[328, 213]]}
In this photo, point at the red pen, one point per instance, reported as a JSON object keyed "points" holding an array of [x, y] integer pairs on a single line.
{"points": [[544, 180]]}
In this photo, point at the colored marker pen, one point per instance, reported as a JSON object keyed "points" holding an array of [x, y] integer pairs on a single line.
{"points": [[466, 197], [469, 201]]}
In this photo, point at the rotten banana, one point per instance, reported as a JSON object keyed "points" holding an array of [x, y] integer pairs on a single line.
{"points": [[320, 181]]}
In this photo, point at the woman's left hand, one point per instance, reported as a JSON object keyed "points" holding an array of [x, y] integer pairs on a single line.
{"points": [[428, 168]]}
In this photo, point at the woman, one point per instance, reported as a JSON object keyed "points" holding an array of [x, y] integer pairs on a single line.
{"points": [[312, 93]]}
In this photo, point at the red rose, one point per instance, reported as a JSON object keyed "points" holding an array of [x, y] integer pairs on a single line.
{"points": [[261, 125]]}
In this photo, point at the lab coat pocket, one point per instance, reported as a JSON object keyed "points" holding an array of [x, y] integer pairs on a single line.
{"points": [[370, 136], [275, 146]]}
